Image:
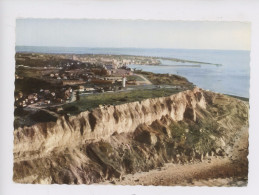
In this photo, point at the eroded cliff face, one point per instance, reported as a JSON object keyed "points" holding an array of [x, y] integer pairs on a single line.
{"points": [[102, 122], [114, 140]]}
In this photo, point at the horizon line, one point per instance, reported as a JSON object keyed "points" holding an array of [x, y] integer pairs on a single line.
{"points": [[130, 48]]}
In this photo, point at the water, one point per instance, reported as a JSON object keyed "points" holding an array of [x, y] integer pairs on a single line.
{"points": [[232, 77]]}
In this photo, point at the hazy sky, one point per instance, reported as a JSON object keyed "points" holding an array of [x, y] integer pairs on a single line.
{"points": [[133, 33]]}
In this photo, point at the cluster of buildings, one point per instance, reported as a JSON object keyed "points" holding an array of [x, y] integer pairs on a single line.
{"points": [[101, 73], [43, 97], [118, 61], [105, 74]]}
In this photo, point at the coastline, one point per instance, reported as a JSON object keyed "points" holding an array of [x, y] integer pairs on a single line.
{"points": [[167, 132], [239, 97], [206, 80]]}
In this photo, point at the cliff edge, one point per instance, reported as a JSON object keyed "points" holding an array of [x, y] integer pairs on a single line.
{"points": [[111, 141]]}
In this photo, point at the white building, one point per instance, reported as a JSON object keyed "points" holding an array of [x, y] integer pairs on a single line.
{"points": [[124, 82]]}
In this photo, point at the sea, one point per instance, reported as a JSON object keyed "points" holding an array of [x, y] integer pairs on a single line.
{"points": [[226, 71]]}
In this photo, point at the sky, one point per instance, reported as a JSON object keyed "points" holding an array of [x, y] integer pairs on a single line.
{"points": [[133, 33]]}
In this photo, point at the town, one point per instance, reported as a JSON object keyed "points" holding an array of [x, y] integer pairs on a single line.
{"points": [[79, 74], [50, 82]]}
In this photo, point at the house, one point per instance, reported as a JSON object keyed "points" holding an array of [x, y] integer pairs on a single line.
{"points": [[81, 88], [47, 101], [31, 96], [89, 89], [20, 94], [67, 94], [110, 66], [41, 101], [23, 103], [72, 82], [46, 91], [119, 78], [59, 100], [134, 82], [103, 82], [59, 109]]}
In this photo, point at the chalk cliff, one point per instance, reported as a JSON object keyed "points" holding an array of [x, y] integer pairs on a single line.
{"points": [[110, 141]]}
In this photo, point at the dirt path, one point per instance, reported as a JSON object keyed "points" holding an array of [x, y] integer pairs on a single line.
{"points": [[145, 80], [213, 171]]}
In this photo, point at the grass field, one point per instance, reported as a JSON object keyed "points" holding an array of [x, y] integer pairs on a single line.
{"points": [[92, 101], [134, 77], [166, 79]]}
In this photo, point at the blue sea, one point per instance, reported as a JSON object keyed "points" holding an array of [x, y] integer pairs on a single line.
{"points": [[231, 77]]}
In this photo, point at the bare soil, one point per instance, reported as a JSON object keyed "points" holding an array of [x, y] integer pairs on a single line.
{"points": [[230, 170]]}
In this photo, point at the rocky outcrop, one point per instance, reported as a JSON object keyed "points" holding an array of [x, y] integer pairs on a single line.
{"points": [[111, 141], [102, 122]]}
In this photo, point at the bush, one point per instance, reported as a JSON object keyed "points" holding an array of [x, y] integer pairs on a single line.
{"points": [[42, 116], [71, 108]]}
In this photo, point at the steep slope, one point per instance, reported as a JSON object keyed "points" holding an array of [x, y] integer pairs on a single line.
{"points": [[110, 142]]}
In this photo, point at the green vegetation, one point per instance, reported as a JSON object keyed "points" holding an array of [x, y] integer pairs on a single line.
{"points": [[134, 78], [166, 79], [198, 135], [178, 130], [28, 118], [92, 101], [238, 97], [201, 135], [30, 73], [40, 60], [30, 85]]}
